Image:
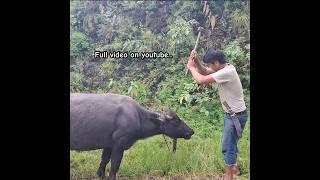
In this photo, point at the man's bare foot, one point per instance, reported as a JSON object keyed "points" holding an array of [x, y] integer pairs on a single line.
{"points": [[229, 173], [236, 171]]}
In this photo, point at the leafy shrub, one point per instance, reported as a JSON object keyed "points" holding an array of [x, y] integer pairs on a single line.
{"points": [[77, 82], [79, 45]]}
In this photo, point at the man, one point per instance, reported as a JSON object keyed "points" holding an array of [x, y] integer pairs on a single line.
{"points": [[230, 90]]}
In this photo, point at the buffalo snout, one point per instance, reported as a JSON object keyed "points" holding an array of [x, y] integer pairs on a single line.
{"points": [[189, 134]]}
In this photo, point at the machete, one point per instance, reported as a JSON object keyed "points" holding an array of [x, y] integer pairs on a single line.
{"points": [[234, 118]]}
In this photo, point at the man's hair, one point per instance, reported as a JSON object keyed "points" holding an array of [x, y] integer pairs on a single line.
{"points": [[213, 55]]}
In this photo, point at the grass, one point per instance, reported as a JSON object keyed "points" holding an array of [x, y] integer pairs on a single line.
{"points": [[196, 157]]}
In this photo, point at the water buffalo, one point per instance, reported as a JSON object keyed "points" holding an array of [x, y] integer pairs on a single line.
{"points": [[114, 123]]}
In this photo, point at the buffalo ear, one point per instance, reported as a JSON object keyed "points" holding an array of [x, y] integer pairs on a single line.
{"points": [[168, 117], [162, 117]]}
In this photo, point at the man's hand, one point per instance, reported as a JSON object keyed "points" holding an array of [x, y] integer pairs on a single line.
{"points": [[191, 63], [201, 79], [195, 56]]}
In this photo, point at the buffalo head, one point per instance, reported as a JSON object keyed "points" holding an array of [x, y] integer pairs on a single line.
{"points": [[174, 127]]}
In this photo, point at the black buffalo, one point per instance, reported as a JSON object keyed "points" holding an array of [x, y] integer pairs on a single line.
{"points": [[114, 123]]}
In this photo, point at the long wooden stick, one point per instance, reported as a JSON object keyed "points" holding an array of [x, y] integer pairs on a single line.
{"points": [[212, 21], [195, 49]]}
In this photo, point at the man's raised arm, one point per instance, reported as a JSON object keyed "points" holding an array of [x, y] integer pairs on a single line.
{"points": [[201, 68]]}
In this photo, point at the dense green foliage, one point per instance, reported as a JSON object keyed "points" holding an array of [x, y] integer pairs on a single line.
{"points": [[168, 26]]}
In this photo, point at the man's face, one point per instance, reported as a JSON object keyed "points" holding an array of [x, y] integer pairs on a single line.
{"points": [[214, 66]]}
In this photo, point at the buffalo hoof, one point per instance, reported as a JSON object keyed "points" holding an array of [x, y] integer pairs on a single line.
{"points": [[111, 178], [101, 174]]}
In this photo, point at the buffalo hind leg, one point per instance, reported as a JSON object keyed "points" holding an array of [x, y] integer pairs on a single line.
{"points": [[105, 158], [116, 158]]}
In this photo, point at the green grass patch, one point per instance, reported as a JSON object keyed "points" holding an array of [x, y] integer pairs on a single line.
{"points": [[151, 157]]}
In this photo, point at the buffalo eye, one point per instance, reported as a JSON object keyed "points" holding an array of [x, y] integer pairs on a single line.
{"points": [[176, 122]]}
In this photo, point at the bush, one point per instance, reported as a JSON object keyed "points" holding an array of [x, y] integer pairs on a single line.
{"points": [[240, 59], [77, 82], [79, 46], [180, 37], [139, 92]]}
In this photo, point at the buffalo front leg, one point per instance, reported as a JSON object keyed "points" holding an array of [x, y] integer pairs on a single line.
{"points": [[105, 158], [116, 157]]}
